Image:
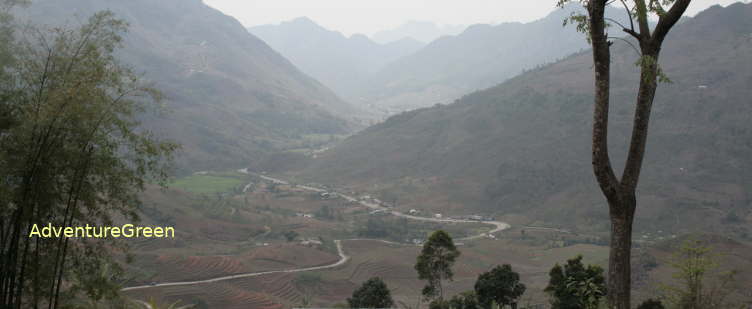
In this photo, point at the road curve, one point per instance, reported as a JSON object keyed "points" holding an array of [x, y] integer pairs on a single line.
{"points": [[343, 258], [498, 226]]}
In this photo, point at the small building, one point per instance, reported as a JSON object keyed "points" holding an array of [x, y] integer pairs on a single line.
{"points": [[311, 242]]}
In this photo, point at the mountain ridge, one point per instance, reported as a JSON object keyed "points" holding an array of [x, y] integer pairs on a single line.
{"points": [[340, 62], [479, 57], [227, 91], [521, 147]]}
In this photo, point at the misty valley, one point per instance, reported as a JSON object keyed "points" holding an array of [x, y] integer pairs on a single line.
{"points": [[190, 154]]}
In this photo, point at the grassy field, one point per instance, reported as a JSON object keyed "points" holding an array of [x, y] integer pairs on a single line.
{"points": [[210, 182]]}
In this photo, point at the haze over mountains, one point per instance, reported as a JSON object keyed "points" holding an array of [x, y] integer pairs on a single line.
{"points": [[481, 56], [522, 147], [283, 198], [342, 63], [423, 31], [230, 97], [234, 101], [403, 75]]}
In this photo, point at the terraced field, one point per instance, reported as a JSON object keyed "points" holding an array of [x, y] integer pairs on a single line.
{"points": [[191, 278]]}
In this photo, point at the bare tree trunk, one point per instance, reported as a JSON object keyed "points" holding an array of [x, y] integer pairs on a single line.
{"points": [[619, 270], [620, 193]]}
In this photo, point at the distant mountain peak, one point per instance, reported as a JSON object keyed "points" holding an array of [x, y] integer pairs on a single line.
{"points": [[303, 20], [423, 31], [340, 62]]}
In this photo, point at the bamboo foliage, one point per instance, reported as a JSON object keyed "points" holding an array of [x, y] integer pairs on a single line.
{"points": [[74, 155]]}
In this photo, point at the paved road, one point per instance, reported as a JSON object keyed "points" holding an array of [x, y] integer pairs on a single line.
{"points": [[498, 226], [343, 258]]}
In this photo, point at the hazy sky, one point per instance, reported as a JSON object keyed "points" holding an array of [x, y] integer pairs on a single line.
{"points": [[369, 16]]}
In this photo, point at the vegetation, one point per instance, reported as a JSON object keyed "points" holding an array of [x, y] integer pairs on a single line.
{"points": [[232, 99], [290, 235], [465, 300], [435, 264], [73, 152], [500, 286], [700, 284], [210, 183], [73, 155], [575, 286], [405, 230], [371, 294], [499, 150], [651, 304]]}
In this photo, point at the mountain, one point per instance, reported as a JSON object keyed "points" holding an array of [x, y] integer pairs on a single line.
{"points": [[481, 56], [424, 31], [340, 62], [231, 98], [523, 147]]}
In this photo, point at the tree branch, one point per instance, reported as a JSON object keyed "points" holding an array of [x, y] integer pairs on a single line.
{"points": [[629, 13], [628, 42], [602, 168], [642, 19], [667, 21]]}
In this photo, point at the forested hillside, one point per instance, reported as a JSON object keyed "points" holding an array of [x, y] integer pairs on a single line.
{"points": [[229, 97], [523, 147]]}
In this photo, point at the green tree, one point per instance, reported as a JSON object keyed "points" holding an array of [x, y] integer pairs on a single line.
{"points": [[621, 193], [434, 263], [701, 283], [74, 155], [290, 235], [465, 300], [371, 294], [500, 286], [575, 286], [651, 304]]}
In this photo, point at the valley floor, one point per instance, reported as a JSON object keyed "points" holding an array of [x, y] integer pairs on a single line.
{"points": [[237, 254]]}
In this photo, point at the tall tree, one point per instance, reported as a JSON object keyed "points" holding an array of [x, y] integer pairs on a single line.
{"points": [[575, 286], [620, 193], [500, 286], [372, 294], [75, 155], [435, 263]]}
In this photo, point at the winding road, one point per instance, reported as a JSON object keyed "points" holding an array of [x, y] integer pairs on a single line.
{"points": [[343, 258]]}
